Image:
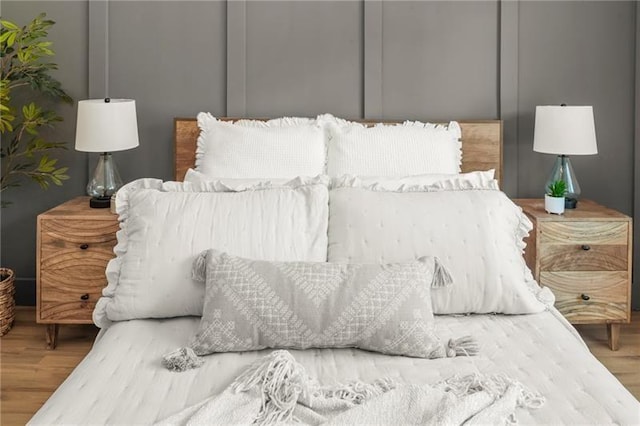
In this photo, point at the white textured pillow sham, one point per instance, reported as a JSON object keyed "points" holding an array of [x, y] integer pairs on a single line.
{"points": [[479, 179], [477, 234], [411, 148], [234, 184], [251, 305], [282, 148], [164, 226]]}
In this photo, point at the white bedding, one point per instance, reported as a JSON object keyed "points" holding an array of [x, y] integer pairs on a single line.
{"points": [[121, 381]]}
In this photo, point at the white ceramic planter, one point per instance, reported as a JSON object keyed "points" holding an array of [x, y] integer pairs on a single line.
{"points": [[554, 205]]}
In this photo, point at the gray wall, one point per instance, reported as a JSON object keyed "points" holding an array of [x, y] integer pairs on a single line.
{"points": [[418, 60]]}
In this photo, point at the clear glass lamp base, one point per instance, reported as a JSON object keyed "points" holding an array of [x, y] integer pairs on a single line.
{"points": [[104, 182], [563, 170]]}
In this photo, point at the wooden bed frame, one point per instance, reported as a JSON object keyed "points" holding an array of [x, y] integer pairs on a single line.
{"points": [[481, 145]]}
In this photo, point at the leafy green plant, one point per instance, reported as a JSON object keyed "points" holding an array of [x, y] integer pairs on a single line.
{"points": [[26, 91], [557, 189]]}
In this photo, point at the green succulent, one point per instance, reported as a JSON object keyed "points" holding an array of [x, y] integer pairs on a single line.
{"points": [[557, 189]]}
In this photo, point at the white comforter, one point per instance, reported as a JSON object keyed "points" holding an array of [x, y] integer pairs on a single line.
{"points": [[122, 380]]}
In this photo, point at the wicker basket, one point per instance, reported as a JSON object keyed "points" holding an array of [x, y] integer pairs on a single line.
{"points": [[7, 301]]}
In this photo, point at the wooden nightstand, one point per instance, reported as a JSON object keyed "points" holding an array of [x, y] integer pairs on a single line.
{"points": [[74, 245], [584, 257]]}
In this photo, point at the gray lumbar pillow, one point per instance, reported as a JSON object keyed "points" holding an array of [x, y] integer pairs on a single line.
{"points": [[252, 304]]}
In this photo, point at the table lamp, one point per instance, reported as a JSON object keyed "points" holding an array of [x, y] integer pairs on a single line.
{"points": [[105, 126], [564, 131]]}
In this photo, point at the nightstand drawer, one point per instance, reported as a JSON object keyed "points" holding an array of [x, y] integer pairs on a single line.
{"points": [[589, 296], [583, 232], [69, 301], [57, 253], [76, 232], [583, 257]]}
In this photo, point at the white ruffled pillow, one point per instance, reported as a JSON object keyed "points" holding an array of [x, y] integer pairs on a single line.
{"points": [[476, 179], [234, 184], [164, 226], [280, 148], [479, 179], [411, 148], [475, 230]]}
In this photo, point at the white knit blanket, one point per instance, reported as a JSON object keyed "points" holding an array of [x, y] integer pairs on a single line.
{"points": [[276, 390]]}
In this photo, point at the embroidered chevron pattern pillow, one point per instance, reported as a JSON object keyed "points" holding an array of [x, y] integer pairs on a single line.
{"points": [[251, 305]]}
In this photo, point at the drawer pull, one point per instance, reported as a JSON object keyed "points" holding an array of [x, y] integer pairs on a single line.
{"points": [[586, 247], [584, 297], [86, 296], [86, 246]]}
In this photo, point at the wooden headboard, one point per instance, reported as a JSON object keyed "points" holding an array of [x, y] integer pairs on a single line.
{"points": [[481, 145]]}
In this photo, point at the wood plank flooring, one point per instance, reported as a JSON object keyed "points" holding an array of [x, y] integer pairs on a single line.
{"points": [[30, 373], [623, 363]]}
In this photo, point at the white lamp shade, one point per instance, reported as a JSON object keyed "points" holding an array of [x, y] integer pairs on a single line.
{"points": [[565, 130], [106, 126]]}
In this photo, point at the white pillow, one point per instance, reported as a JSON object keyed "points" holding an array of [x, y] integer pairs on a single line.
{"points": [[410, 148], [231, 184], [282, 148], [479, 179], [164, 226], [477, 233]]}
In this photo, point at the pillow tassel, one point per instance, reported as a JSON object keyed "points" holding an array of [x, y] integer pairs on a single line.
{"points": [[182, 359], [199, 269], [464, 346], [441, 277]]}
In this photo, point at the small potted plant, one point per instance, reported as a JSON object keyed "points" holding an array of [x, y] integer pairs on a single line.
{"points": [[554, 198]]}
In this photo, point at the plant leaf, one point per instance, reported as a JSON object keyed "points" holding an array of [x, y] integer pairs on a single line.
{"points": [[10, 25], [11, 39]]}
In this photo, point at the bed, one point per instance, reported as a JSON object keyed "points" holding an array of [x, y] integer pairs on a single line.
{"points": [[122, 379]]}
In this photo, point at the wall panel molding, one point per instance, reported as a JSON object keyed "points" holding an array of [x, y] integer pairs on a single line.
{"points": [[508, 92], [636, 171], [372, 102], [236, 58]]}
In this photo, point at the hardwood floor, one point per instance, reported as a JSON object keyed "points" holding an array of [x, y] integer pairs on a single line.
{"points": [[623, 363], [30, 373]]}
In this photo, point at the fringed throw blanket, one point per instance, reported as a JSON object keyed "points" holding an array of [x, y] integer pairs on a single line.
{"points": [[276, 389]]}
